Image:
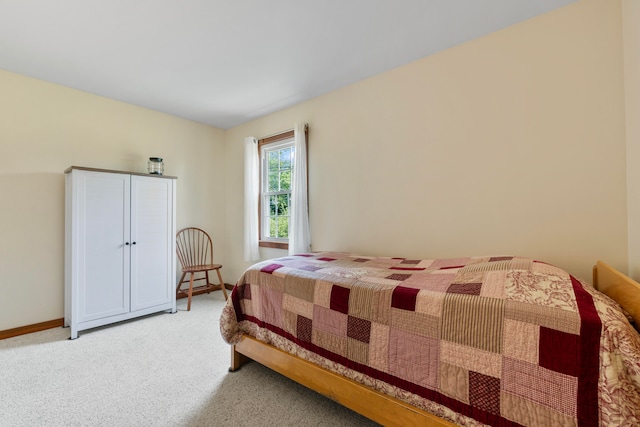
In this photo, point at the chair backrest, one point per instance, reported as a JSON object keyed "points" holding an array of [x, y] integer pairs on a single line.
{"points": [[194, 247]]}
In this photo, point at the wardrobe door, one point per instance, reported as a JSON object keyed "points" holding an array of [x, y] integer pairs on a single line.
{"points": [[152, 234], [103, 252]]}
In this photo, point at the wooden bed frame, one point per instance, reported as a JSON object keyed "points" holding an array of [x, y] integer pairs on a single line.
{"points": [[379, 407], [622, 289]]}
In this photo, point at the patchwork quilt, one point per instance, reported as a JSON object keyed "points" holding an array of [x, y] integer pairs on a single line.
{"points": [[487, 340]]}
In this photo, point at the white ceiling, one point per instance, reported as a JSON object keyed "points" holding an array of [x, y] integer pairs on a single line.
{"points": [[225, 62]]}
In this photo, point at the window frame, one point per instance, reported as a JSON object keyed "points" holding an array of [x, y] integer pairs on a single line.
{"points": [[278, 138]]}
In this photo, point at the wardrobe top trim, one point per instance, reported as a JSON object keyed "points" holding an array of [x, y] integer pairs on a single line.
{"points": [[69, 169]]}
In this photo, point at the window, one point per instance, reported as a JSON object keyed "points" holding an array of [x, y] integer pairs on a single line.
{"points": [[277, 158], [276, 161]]}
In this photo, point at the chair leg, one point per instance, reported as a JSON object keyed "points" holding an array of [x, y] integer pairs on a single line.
{"points": [[190, 292], [224, 290], [206, 276], [180, 282]]}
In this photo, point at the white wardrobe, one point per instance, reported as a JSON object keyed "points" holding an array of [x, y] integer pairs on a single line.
{"points": [[120, 256]]}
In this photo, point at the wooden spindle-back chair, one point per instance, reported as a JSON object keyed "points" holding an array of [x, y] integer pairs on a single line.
{"points": [[195, 253]]}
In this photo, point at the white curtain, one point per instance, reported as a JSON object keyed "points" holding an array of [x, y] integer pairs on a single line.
{"points": [[299, 238], [251, 198]]}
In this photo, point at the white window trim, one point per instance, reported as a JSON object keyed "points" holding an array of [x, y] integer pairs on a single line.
{"points": [[264, 179]]}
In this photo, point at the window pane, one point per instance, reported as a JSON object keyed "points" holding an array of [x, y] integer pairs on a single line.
{"points": [[283, 204], [272, 227], [285, 180], [283, 227], [285, 158], [273, 205], [274, 164], [273, 181]]}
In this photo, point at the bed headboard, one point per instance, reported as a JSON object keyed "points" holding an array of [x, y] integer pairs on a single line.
{"points": [[621, 288]]}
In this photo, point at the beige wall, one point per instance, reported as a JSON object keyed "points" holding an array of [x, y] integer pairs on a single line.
{"points": [[45, 128], [504, 145], [631, 34]]}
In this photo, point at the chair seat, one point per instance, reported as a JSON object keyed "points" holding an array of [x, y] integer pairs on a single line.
{"points": [[199, 268]]}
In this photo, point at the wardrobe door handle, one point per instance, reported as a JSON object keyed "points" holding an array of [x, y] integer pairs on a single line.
{"points": [[126, 243], [133, 243]]}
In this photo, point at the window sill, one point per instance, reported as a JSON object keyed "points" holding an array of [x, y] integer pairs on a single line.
{"points": [[276, 245]]}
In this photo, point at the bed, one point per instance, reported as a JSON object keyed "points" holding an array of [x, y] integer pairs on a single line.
{"points": [[471, 341]]}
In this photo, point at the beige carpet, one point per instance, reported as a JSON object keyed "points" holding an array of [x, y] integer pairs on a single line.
{"points": [[160, 370]]}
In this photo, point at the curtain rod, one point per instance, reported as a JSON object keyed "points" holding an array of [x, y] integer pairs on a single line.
{"points": [[306, 129]]}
